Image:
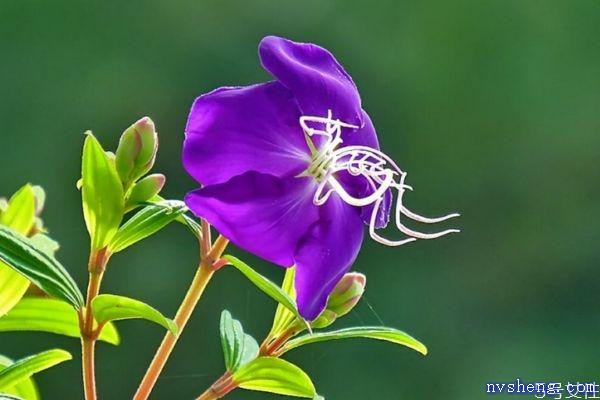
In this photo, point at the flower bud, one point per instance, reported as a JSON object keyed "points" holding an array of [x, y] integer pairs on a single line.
{"points": [[347, 293], [137, 151], [145, 189]]}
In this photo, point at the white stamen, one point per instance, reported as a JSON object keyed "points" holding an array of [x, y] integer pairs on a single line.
{"points": [[379, 170]]}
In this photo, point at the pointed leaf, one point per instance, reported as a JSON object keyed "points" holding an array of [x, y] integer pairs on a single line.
{"points": [[9, 397], [26, 389], [20, 213], [24, 368], [45, 243], [146, 222], [13, 286], [274, 375], [43, 314], [109, 307], [20, 216], [22, 255], [250, 352], [239, 348], [232, 340], [102, 193], [283, 316], [264, 284], [374, 332]]}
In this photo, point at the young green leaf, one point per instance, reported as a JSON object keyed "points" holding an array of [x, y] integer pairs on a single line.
{"points": [[283, 316], [24, 368], [109, 307], [274, 375], [102, 193], [238, 348], [9, 397], [264, 284], [369, 332], [45, 244], [19, 215], [21, 254], [12, 288], [146, 222], [26, 389], [43, 314]]}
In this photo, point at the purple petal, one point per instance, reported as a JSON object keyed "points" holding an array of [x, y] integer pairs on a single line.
{"points": [[325, 254], [235, 130], [358, 186], [312, 73], [260, 213]]}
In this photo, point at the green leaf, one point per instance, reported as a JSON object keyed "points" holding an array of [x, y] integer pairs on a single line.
{"points": [[109, 307], [368, 332], [102, 193], [283, 316], [184, 219], [12, 287], [21, 254], [43, 314], [146, 222], [9, 397], [20, 213], [264, 284], [24, 368], [20, 216], [45, 244], [238, 347], [274, 375], [26, 389]]}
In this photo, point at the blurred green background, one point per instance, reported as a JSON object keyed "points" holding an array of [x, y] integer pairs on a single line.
{"points": [[493, 107]]}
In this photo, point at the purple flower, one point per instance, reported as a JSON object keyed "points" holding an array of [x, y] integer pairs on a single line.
{"points": [[291, 169]]}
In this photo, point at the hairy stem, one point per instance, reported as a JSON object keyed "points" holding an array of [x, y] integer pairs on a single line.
{"points": [[96, 266], [225, 383], [219, 389], [89, 376], [203, 276]]}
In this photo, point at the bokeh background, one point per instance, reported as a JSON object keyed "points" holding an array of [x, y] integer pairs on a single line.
{"points": [[493, 107]]}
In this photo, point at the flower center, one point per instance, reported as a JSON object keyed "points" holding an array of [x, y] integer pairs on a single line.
{"points": [[324, 137]]}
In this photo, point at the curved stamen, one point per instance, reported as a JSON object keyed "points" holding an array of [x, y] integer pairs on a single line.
{"points": [[380, 171]]}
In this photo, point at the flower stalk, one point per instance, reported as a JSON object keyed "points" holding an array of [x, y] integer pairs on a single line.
{"points": [[89, 335], [209, 256]]}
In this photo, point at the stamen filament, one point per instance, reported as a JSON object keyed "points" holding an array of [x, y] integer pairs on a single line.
{"points": [[380, 171]]}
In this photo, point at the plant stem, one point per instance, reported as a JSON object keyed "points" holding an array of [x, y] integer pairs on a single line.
{"points": [[89, 376], [203, 275], [96, 266], [219, 389], [225, 383]]}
